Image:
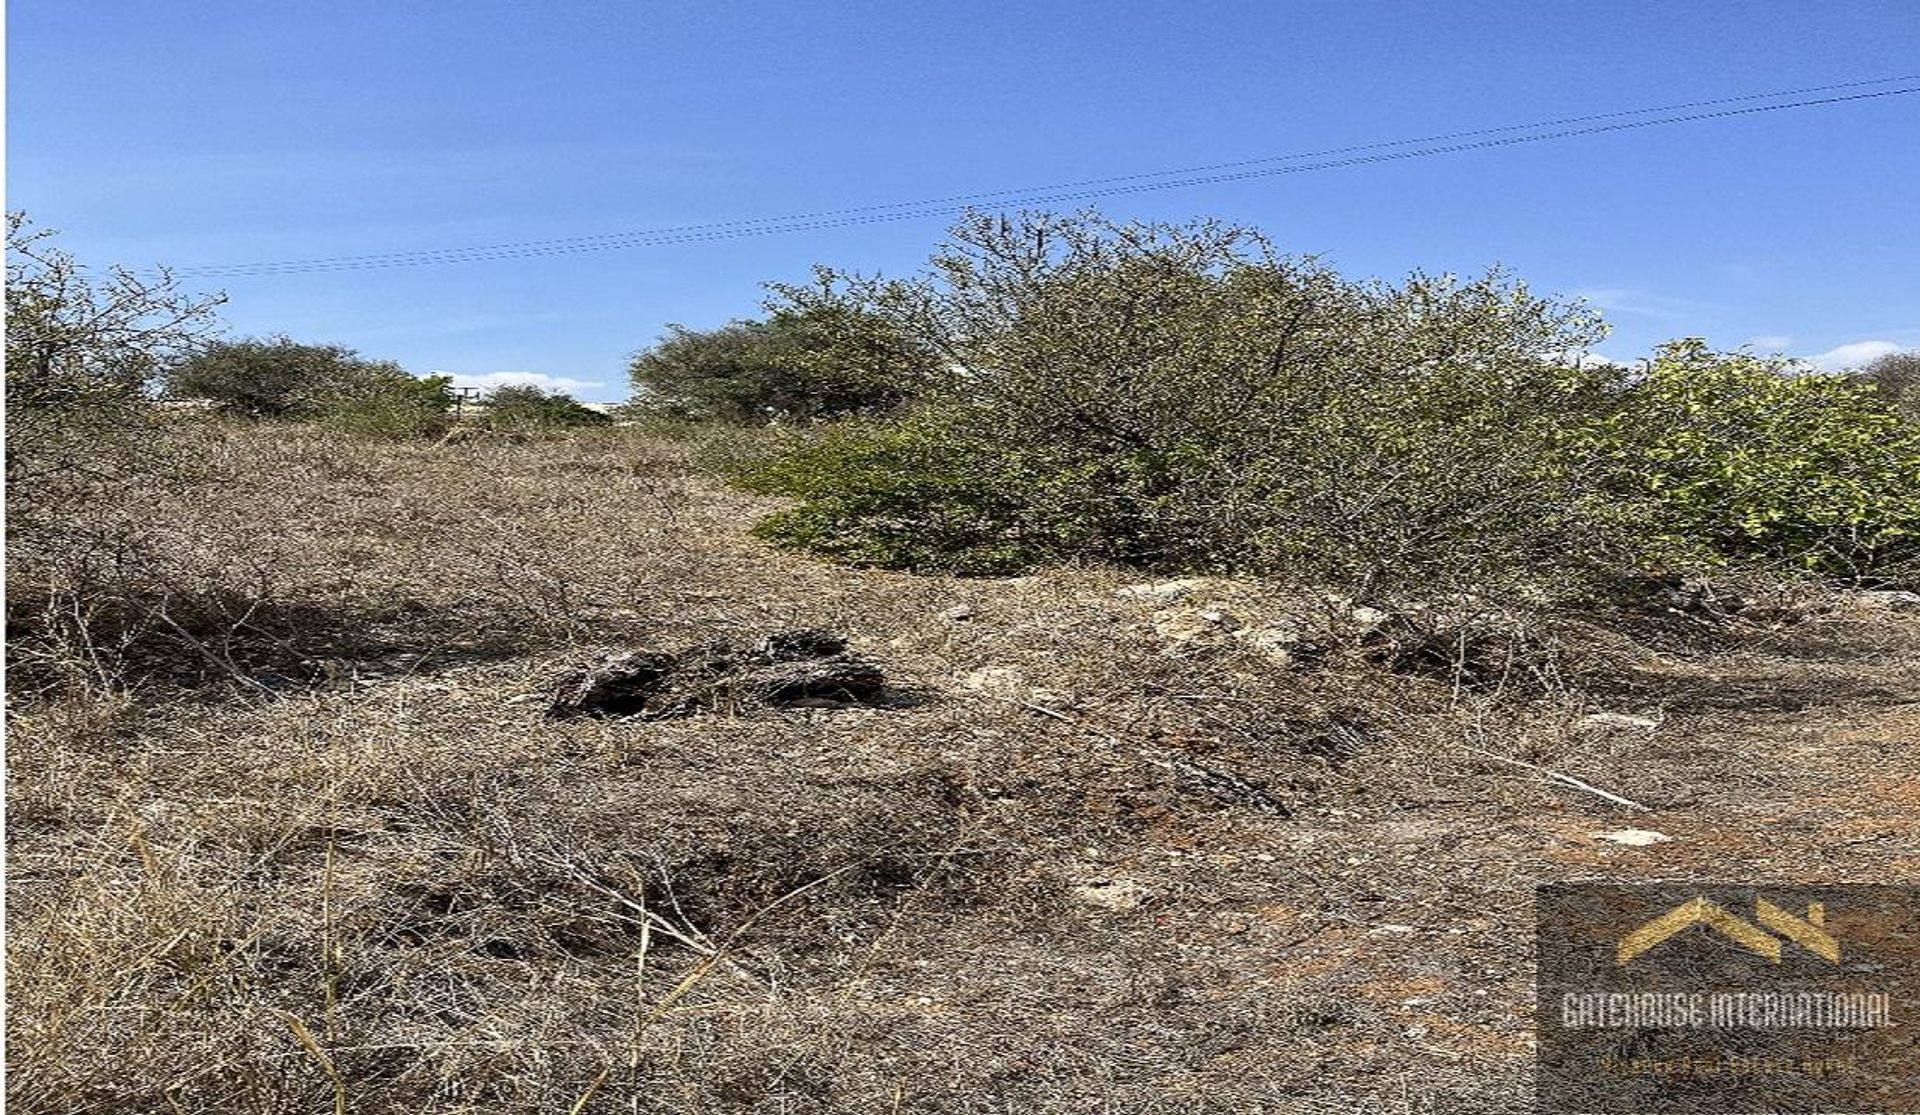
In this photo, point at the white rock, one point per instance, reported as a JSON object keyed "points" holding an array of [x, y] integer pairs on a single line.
{"points": [[1615, 720], [1194, 625], [1633, 838], [1893, 600], [1277, 641], [1111, 894], [1165, 591], [1369, 618], [958, 612], [994, 679]]}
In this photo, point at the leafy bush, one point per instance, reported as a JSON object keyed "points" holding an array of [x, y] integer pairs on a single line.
{"points": [[794, 366], [268, 377], [918, 493], [383, 401], [264, 377], [1732, 456], [1183, 396], [531, 409], [1896, 379], [276, 377]]}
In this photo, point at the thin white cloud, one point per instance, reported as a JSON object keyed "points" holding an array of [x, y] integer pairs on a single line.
{"points": [[1640, 303], [1769, 342], [1851, 355], [487, 381]]}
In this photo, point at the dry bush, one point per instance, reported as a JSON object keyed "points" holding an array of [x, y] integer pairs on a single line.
{"points": [[268, 558]]}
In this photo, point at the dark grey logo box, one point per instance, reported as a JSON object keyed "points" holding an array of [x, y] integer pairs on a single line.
{"points": [[1728, 997]]}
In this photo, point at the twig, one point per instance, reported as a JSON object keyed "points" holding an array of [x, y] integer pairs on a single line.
{"points": [[700, 972], [225, 664], [648, 919], [305, 1035], [1563, 779]]}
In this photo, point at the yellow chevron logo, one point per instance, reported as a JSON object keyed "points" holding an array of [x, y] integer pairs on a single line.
{"points": [[1809, 932]]}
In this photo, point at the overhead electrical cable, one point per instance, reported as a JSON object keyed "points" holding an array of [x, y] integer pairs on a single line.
{"points": [[1084, 190], [984, 196]]}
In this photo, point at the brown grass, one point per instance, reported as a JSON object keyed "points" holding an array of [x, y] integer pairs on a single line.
{"points": [[286, 832]]}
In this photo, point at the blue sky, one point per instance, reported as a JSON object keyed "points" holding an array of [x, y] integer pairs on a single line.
{"points": [[194, 133]]}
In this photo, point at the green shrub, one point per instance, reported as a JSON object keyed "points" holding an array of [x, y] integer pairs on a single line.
{"points": [[1895, 378], [529, 409], [924, 492], [276, 377], [798, 365], [269, 377], [383, 401], [1184, 397], [1731, 456]]}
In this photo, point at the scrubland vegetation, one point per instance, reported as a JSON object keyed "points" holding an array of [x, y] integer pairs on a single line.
{"points": [[1253, 639], [1184, 397]]}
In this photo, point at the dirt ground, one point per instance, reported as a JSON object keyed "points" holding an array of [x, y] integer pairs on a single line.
{"points": [[1094, 852]]}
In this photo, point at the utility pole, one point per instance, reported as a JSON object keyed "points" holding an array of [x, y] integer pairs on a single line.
{"points": [[461, 397]]}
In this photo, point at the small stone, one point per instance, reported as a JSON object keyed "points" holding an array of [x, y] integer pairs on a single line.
{"points": [[1194, 625], [1893, 600], [994, 679], [1166, 591], [1616, 720], [1119, 895], [1277, 641], [958, 612], [1633, 838], [1369, 619]]}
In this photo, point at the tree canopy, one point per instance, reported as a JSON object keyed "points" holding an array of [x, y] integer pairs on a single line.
{"points": [[266, 377], [823, 362], [528, 407]]}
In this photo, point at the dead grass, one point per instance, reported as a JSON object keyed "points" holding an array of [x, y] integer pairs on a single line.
{"points": [[286, 833]]}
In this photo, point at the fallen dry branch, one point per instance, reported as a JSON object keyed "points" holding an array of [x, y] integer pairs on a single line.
{"points": [[1562, 779]]}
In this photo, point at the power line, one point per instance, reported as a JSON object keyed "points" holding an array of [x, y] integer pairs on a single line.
{"points": [[827, 220], [1084, 190], [620, 239]]}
